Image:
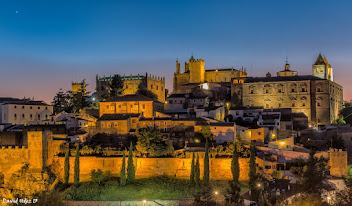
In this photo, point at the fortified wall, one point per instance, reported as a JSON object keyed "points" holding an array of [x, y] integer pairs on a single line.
{"points": [[220, 168]]}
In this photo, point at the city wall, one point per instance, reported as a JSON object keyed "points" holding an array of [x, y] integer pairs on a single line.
{"points": [[220, 168]]}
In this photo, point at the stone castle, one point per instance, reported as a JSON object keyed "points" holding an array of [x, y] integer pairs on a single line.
{"points": [[133, 83], [195, 74]]}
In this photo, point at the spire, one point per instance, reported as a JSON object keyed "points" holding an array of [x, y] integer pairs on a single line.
{"points": [[320, 60], [287, 65]]}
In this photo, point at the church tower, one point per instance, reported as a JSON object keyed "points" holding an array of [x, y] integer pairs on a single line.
{"points": [[322, 69]]}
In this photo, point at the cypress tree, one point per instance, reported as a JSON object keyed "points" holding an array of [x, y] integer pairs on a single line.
{"points": [[206, 164], [192, 170], [252, 170], [76, 175], [235, 166], [123, 171], [197, 171], [67, 165], [130, 167]]}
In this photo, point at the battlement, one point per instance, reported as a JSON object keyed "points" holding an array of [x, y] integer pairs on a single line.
{"points": [[197, 60], [156, 78], [12, 147]]}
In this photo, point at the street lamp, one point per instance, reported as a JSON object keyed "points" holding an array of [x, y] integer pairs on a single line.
{"points": [[329, 200], [144, 202], [216, 197]]}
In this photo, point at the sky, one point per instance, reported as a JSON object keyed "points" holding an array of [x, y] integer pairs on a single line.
{"points": [[45, 45]]}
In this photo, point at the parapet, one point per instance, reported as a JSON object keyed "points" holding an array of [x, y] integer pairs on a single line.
{"points": [[12, 147]]}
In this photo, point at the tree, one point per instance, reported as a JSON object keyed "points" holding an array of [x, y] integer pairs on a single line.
{"points": [[130, 167], [97, 176], [346, 112], [235, 166], [59, 101], [151, 141], [146, 92], [233, 196], [314, 174], [206, 132], [116, 86], [276, 174], [67, 165], [79, 99], [76, 174], [252, 171], [197, 171], [192, 176], [206, 163], [123, 171]]}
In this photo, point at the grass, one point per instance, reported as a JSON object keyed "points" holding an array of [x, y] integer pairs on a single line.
{"points": [[162, 188]]}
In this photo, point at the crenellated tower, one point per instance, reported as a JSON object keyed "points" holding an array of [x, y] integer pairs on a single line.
{"points": [[197, 71]]}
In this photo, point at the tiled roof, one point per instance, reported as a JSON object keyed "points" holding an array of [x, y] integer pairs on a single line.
{"points": [[24, 102], [124, 116], [223, 124], [132, 97], [177, 96]]}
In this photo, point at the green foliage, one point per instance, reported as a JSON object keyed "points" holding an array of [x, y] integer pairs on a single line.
{"points": [[235, 165], [123, 171], [314, 175], [79, 99], [206, 132], [67, 165], [151, 141], [206, 163], [192, 175], [346, 112], [233, 196], [86, 191], [336, 142], [146, 92], [252, 169], [53, 198], [61, 102], [130, 167], [76, 171], [116, 87], [97, 176], [197, 171], [277, 174], [309, 200]]}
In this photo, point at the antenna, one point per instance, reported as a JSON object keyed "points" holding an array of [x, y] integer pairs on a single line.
{"points": [[286, 60]]}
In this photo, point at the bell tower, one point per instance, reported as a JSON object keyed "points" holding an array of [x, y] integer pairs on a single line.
{"points": [[322, 69]]}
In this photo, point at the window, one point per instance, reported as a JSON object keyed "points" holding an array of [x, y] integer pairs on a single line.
{"points": [[15, 116], [151, 86], [259, 133], [268, 167], [157, 87], [293, 105], [318, 104], [120, 106], [22, 107], [15, 107], [318, 90], [280, 91], [31, 116], [304, 104], [46, 107], [46, 116], [279, 104], [38, 107], [22, 115], [266, 91], [317, 69], [321, 69], [107, 106], [252, 92], [143, 106], [165, 123], [38, 116], [292, 90], [267, 106], [162, 88], [30, 107]]}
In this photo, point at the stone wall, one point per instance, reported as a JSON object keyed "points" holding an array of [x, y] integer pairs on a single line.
{"points": [[220, 168]]}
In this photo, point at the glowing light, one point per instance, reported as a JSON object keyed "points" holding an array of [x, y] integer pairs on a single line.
{"points": [[93, 99], [205, 86], [216, 192], [282, 143], [329, 198], [259, 185], [144, 201]]}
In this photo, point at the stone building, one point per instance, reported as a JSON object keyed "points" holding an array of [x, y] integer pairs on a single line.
{"points": [[317, 96], [24, 111], [195, 74], [78, 87], [133, 83], [136, 103]]}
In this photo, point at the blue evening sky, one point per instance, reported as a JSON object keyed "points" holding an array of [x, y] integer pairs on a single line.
{"points": [[47, 44]]}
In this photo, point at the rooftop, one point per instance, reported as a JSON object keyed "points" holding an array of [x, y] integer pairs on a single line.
{"points": [[283, 78], [124, 116], [132, 97]]}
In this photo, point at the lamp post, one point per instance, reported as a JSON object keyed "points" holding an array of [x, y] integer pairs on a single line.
{"points": [[216, 197]]}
